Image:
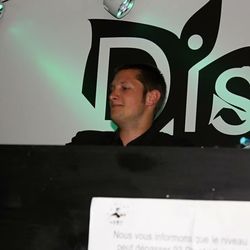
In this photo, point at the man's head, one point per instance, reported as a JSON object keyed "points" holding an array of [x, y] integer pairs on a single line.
{"points": [[134, 89], [150, 77]]}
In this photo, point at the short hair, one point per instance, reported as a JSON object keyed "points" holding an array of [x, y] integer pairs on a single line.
{"points": [[151, 78]]}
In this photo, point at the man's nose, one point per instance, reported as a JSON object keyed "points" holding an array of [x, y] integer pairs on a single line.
{"points": [[113, 95]]}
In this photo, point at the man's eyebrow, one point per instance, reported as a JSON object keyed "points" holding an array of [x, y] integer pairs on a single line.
{"points": [[112, 84]]}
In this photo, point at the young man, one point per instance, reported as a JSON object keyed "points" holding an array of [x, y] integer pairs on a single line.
{"points": [[137, 93]]}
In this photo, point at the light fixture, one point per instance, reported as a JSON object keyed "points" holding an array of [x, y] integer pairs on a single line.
{"points": [[245, 142], [118, 8], [1, 8]]}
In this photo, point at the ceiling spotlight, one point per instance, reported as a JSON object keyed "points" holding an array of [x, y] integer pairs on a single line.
{"points": [[118, 8], [1, 8]]}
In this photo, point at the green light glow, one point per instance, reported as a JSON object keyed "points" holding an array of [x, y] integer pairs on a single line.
{"points": [[60, 76]]}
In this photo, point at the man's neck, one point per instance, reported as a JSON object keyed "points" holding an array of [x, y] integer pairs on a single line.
{"points": [[128, 134]]}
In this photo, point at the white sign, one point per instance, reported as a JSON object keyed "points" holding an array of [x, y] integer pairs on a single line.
{"points": [[159, 224]]}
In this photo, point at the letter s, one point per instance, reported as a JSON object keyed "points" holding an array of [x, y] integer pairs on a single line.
{"points": [[226, 99]]}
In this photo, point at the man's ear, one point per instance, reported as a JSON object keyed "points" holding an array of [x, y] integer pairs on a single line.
{"points": [[152, 97]]}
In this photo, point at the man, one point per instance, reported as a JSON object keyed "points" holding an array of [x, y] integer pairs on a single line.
{"points": [[137, 93]]}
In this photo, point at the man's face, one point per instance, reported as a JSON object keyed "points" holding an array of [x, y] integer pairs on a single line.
{"points": [[127, 102]]}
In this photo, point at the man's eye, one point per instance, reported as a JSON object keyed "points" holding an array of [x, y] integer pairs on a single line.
{"points": [[125, 87]]}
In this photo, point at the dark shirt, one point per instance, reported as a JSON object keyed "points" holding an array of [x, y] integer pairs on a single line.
{"points": [[149, 138]]}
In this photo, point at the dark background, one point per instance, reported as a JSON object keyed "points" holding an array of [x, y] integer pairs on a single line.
{"points": [[46, 190]]}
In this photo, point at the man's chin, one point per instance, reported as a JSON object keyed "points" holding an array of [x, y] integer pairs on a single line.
{"points": [[116, 118]]}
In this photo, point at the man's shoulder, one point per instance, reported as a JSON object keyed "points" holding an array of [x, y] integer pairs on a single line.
{"points": [[92, 137]]}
